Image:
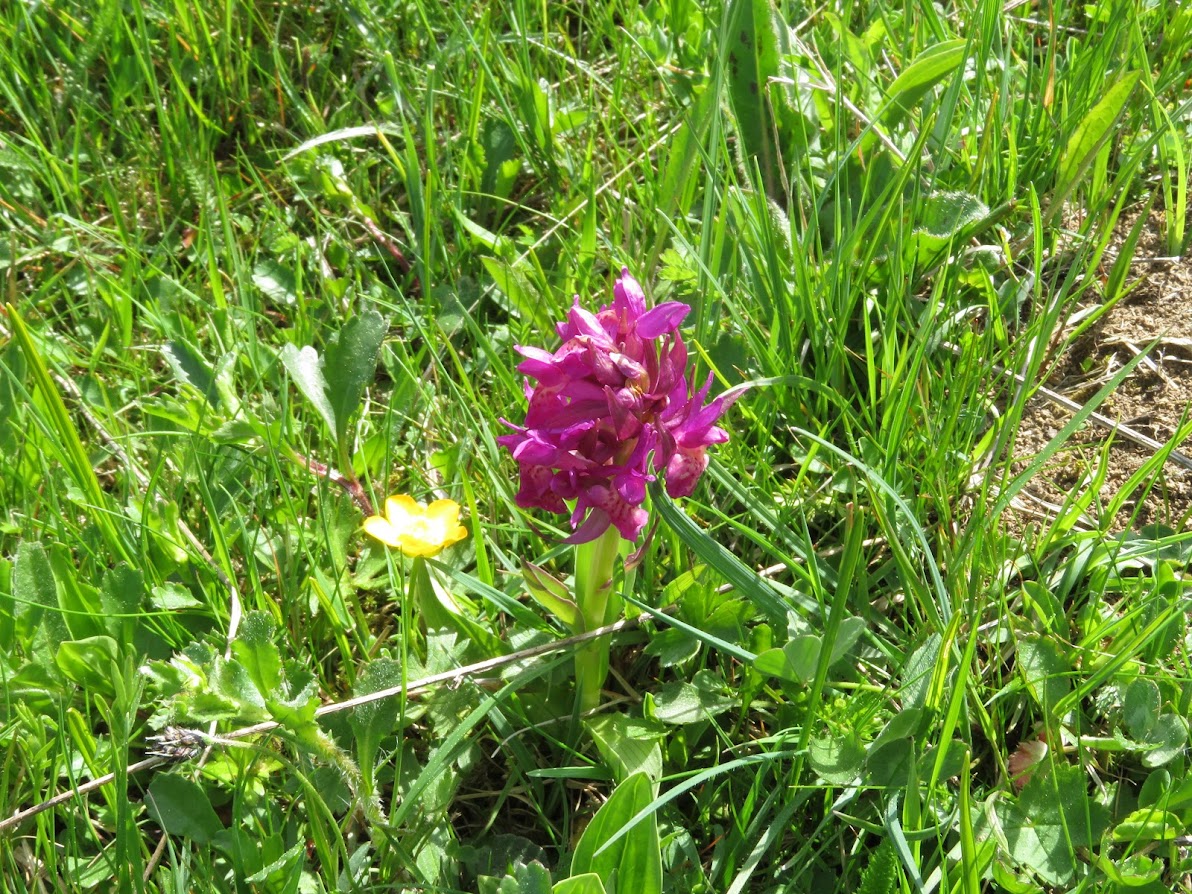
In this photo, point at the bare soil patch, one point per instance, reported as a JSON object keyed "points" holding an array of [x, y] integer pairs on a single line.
{"points": [[1152, 400]]}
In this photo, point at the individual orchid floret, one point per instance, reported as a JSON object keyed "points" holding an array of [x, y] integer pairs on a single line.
{"points": [[613, 409]]}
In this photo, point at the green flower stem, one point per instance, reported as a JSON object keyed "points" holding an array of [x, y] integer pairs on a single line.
{"points": [[595, 563], [422, 597]]}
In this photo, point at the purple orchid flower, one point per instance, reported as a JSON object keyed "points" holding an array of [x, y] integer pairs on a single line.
{"points": [[613, 409]]}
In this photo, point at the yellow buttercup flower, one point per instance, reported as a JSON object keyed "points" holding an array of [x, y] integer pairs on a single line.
{"points": [[416, 529]]}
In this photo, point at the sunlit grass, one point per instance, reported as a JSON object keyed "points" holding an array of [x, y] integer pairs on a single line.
{"points": [[846, 647]]}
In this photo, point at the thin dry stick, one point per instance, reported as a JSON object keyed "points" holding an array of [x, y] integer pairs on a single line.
{"points": [[183, 744]]}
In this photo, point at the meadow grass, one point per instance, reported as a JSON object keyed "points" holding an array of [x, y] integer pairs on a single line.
{"points": [[847, 667]]}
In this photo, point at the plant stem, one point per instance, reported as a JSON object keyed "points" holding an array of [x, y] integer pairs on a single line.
{"points": [[594, 567]]}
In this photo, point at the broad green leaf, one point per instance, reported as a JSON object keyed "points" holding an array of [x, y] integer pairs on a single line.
{"points": [[1169, 736], [35, 686], [1147, 825], [635, 858], [796, 661], [120, 595], [628, 745], [690, 702], [1050, 820], [12, 399], [1088, 138], [1045, 671], [672, 646], [181, 807], [88, 662], [947, 214], [306, 369], [526, 878], [1156, 789], [928, 69], [189, 366], [847, 634], [588, 883], [837, 759], [1140, 708], [947, 217], [754, 41], [917, 673], [521, 298], [275, 280], [501, 161], [351, 363], [34, 588], [287, 866], [172, 597], [80, 612], [888, 765]]}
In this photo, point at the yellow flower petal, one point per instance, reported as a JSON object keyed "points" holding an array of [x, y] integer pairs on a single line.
{"points": [[379, 528], [415, 529]]}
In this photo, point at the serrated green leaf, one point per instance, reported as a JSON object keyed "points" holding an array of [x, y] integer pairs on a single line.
{"points": [[257, 653], [232, 684], [373, 721], [880, 875], [672, 646], [526, 878]]}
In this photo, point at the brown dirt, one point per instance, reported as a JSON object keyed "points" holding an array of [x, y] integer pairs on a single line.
{"points": [[1152, 400]]}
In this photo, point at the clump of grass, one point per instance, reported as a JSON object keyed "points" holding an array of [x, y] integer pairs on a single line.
{"points": [[841, 668]]}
